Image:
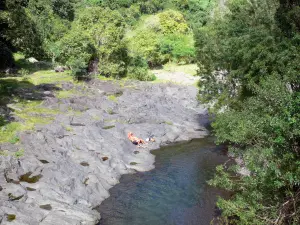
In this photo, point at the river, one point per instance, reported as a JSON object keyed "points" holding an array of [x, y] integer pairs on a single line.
{"points": [[174, 193]]}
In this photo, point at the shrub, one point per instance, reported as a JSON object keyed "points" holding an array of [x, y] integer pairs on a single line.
{"points": [[139, 73], [178, 47], [145, 43], [78, 68], [161, 38], [139, 70], [105, 29], [76, 52], [172, 22]]}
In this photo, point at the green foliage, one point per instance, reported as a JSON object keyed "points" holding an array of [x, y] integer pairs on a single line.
{"points": [[196, 12], [76, 52], [255, 45], [145, 43], [162, 38], [103, 29], [140, 73], [19, 153], [266, 131], [14, 140], [179, 48], [52, 20], [64, 9], [19, 29], [78, 67], [131, 15], [247, 51], [36, 27], [172, 22], [112, 98], [138, 69]]}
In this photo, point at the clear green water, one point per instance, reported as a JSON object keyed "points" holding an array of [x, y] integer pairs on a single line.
{"points": [[174, 193]]}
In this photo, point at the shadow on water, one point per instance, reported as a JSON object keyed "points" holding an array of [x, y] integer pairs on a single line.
{"points": [[174, 193]]}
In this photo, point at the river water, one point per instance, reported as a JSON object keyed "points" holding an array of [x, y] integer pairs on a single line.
{"points": [[174, 193]]}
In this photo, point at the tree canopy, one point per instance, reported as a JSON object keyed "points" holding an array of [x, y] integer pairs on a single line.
{"points": [[249, 66], [80, 34]]}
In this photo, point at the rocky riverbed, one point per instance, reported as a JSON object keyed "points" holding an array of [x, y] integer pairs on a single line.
{"points": [[69, 165]]}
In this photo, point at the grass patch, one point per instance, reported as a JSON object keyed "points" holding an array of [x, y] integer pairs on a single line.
{"points": [[105, 78], [112, 98], [110, 120], [9, 131], [14, 140], [65, 94], [4, 153], [169, 123], [72, 112], [31, 113], [109, 127], [19, 153], [188, 69], [97, 118], [67, 128], [133, 163], [10, 217], [40, 72], [110, 111], [49, 77]]}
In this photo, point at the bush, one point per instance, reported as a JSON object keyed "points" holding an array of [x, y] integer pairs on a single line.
{"points": [[131, 14], [78, 68], [179, 48], [161, 38], [256, 48], [76, 51], [139, 70], [145, 43], [106, 29], [173, 22]]}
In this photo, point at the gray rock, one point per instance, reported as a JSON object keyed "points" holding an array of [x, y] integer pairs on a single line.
{"points": [[59, 69], [47, 93], [32, 60], [49, 185]]}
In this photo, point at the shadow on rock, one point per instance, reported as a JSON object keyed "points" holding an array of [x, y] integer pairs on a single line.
{"points": [[12, 90]]}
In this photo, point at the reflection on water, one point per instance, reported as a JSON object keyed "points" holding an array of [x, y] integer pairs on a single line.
{"points": [[174, 193]]}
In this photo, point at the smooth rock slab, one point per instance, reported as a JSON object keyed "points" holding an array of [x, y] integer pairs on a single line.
{"points": [[66, 192]]}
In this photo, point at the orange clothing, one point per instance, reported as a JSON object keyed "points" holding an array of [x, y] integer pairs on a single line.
{"points": [[134, 139]]}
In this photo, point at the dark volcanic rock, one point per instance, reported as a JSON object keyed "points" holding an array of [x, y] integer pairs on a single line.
{"points": [[69, 165]]}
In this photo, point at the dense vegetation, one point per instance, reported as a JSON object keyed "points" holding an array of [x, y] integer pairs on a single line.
{"points": [[248, 57], [112, 38]]}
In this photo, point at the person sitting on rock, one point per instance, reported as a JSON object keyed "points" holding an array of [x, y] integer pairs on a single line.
{"points": [[135, 140]]}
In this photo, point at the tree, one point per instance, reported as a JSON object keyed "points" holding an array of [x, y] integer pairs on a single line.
{"points": [[97, 33], [161, 38], [249, 68], [19, 31]]}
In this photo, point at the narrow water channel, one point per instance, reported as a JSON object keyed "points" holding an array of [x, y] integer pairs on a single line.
{"points": [[174, 193]]}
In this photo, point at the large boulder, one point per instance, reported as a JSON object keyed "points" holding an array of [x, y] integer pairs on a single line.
{"points": [[59, 69], [32, 60]]}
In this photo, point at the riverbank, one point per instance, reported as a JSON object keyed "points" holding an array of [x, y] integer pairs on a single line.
{"points": [[59, 171]]}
